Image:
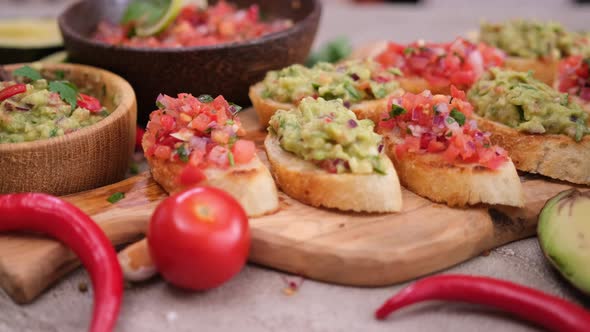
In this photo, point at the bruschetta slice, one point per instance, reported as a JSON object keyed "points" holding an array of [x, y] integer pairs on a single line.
{"points": [[533, 45], [322, 155], [441, 154], [192, 141], [544, 131], [362, 85], [573, 77], [435, 66]]}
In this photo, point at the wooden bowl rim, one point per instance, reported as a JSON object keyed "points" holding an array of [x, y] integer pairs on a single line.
{"points": [[124, 106], [66, 29]]}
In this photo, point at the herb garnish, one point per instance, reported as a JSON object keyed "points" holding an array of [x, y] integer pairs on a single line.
{"points": [[396, 110], [28, 72], [66, 90], [182, 153], [114, 198], [205, 99], [458, 116], [230, 157]]}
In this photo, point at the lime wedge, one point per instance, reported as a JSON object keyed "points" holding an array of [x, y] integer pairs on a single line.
{"points": [[161, 24]]}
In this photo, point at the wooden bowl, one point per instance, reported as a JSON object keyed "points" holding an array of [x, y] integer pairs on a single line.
{"points": [[226, 69], [90, 157]]}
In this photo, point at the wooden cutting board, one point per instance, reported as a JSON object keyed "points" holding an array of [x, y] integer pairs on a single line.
{"points": [[327, 245]]}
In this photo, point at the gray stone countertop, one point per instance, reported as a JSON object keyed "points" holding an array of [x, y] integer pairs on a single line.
{"points": [[254, 301]]}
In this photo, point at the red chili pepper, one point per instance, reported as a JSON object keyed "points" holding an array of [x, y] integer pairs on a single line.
{"points": [[88, 102], [12, 90], [62, 220], [542, 309]]}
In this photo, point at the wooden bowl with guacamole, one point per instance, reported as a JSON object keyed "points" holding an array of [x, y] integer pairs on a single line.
{"points": [[64, 128]]}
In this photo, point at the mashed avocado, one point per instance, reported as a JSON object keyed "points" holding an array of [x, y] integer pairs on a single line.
{"points": [[326, 131], [531, 39], [351, 81], [39, 113], [519, 101]]}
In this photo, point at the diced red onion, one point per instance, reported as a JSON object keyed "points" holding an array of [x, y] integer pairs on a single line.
{"points": [[161, 99], [352, 123], [585, 93], [438, 120], [346, 104], [416, 114], [380, 148], [355, 77]]}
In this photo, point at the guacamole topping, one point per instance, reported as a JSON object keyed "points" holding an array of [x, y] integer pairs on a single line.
{"points": [[328, 134], [532, 39], [520, 101], [351, 81], [39, 113]]}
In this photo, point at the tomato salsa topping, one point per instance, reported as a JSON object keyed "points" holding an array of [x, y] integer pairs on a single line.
{"points": [[574, 77], [200, 131], [219, 23], [440, 124], [459, 63]]}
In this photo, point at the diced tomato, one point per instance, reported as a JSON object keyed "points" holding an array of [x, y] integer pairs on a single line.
{"points": [[456, 93], [243, 151], [167, 122], [218, 156], [435, 146], [451, 154], [90, 103], [191, 176], [163, 152], [573, 77]]}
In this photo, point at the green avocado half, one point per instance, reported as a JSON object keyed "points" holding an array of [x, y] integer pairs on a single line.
{"points": [[27, 40], [564, 235]]}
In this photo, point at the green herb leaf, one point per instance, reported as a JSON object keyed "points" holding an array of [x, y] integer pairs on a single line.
{"points": [[28, 72], [409, 50], [230, 157], [67, 91], [333, 51], [352, 91], [53, 132], [160, 105], [458, 116], [395, 71], [205, 98], [60, 75], [183, 153], [114, 198], [396, 110]]}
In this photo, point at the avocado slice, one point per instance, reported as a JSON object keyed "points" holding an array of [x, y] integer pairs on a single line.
{"points": [[26, 40], [564, 235]]}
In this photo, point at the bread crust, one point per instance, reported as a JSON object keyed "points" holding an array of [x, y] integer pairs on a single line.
{"points": [[543, 70], [430, 176], [311, 185], [265, 108], [251, 184], [555, 156]]}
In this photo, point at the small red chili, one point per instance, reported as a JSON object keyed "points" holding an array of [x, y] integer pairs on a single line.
{"points": [[90, 103], [542, 309], [62, 220], [12, 90]]}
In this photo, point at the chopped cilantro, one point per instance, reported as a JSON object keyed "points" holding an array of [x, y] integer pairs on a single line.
{"points": [[114, 198], [458, 116], [450, 120], [66, 90], [408, 131], [315, 86], [60, 75], [229, 122], [565, 98], [205, 99], [53, 132], [182, 153], [160, 105], [104, 113], [409, 50], [333, 51], [395, 71], [352, 91], [380, 93], [230, 157], [144, 11], [28, 72], [396, 110]]}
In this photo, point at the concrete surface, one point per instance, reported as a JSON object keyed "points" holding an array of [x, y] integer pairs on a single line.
{"points": [[254, 300]]}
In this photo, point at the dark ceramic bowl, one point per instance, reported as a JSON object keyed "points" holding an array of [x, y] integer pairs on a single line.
{"points": [[224, 69]]}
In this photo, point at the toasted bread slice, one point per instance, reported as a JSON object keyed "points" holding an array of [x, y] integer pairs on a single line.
{"points": [[429, 175], [311, 185], [265, 108], [251, 184], [543, 70], [555, 156]]}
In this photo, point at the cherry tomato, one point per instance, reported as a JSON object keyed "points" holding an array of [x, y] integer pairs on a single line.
{"points": [[88, 102], [12, 91], [199, 238]]}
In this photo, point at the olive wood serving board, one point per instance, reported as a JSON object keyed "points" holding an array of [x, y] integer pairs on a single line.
{"points": [[327, 245]]}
